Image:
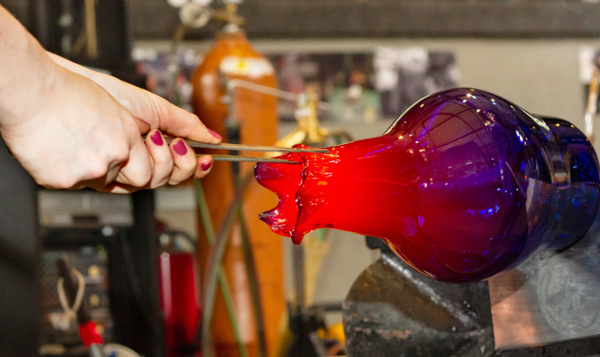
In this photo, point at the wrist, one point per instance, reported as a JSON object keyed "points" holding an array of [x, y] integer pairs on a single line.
{"points": [[33, 97], [95, 76], [27, 73]]}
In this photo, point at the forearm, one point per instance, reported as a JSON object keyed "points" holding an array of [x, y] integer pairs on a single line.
{"points": [[149, 109], [95, 76], [71, 127], [111, 84], [26, 71]]}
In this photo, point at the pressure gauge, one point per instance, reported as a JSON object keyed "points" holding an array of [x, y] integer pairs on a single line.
{"points": [[195, 15]]}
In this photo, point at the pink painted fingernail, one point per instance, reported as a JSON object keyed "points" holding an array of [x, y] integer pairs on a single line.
{"points": [[206, 165], [180, 148], [215, 134], [157, 138]]}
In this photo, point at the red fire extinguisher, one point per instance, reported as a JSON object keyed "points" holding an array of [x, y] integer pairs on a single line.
{"points": [[179, 292]]}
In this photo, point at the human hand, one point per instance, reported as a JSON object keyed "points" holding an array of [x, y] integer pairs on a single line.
{"points": [[145, 106], [87, 133]]}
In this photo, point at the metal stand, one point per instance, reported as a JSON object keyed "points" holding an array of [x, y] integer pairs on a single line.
{"points": [[546, 307], [391, 310]]}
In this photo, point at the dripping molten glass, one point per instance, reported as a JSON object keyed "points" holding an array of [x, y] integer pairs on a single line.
{"points": [[464, 185]]}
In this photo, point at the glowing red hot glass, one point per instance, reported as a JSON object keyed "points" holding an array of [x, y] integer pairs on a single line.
{"points": [[462, 186]]}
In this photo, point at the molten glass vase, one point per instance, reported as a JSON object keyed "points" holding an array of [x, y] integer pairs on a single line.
{"points": [[462, 186]]}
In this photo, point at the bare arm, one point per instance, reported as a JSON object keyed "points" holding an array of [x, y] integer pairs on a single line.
{"points": [[27, 72], [71, 127]]}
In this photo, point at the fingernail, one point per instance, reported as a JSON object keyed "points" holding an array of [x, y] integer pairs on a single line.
{"points": [[215, 134], [180, 148], [206, 165], [157, 138]]}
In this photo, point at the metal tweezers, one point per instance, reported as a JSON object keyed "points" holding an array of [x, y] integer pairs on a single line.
{"points": [[242, 147]]}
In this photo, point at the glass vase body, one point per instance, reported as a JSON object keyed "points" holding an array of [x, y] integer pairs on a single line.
{"points": [[462, 186]]}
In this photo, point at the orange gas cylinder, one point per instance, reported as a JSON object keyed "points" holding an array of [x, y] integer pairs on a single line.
{"points": [[232, 57]]}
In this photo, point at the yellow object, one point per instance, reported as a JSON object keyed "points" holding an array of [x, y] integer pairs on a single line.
{"points": [[337, 332], [309, 130]]}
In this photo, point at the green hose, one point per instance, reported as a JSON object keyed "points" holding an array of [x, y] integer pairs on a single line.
{"points": [[225, 289]]}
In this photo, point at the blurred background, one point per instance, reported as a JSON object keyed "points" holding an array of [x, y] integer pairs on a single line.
{"points": [[350, 67]]}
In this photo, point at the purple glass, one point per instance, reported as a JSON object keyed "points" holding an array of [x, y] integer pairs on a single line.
{"points": [[464, 185]]}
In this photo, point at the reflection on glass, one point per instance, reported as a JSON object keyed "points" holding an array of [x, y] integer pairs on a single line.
{"points": [[462, 186]]}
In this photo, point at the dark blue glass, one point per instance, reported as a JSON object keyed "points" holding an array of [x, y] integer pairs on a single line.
{"points": [[464, 185]]}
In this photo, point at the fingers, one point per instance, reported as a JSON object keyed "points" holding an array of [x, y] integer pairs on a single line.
{"points": [[184, 160], [170, 165], [118, 188], [175, 163], [162, 164], [138, 169], [161, 158], [173, 120], [147, 165], [101, 183], [204, 165]]}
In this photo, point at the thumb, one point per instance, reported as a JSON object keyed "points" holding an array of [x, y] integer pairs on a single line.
{"points": [[177, 122]]}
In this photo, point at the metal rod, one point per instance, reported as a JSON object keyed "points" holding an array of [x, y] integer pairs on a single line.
{"points": [[253, 159], [240, 147], [243, 147], [299, 275], [259, 88]]}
